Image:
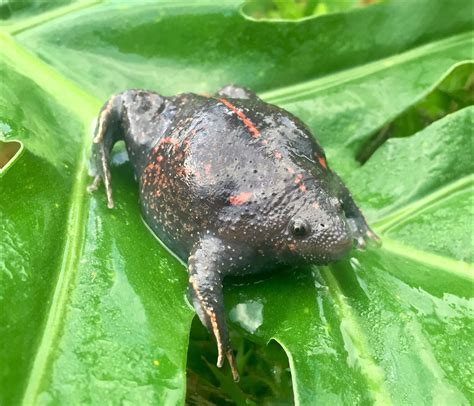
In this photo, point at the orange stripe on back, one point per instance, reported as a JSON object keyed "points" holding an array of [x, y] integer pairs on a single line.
{"points": [[251, 127]]}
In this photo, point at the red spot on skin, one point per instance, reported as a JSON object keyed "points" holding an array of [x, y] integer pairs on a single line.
{"points": [[207, 169], [251, 127], [298, 178], [291, 170], [322, 161], [159, 158], [240, 199], [277, 154]]}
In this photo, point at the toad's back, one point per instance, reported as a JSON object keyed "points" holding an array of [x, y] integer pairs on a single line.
{"points": [[210, 163]]}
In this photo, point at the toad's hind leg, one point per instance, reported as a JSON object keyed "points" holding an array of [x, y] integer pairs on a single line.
{"points": [[205, 285], [107, 132]]}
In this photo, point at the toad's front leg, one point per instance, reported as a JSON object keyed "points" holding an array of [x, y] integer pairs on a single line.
{"points": [[205, 267], [360, 229]]}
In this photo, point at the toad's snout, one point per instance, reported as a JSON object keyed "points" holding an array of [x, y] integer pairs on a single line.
{"points": [[341, 246], [336, 240]]}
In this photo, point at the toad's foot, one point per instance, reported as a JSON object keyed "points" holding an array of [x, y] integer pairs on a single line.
{"points": [[361, 232]]}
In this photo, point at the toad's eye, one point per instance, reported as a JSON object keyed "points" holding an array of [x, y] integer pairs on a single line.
{"points": [[299, 228]]}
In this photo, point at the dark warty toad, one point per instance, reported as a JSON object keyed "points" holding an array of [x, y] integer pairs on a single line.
{"points": [[232, 185]]}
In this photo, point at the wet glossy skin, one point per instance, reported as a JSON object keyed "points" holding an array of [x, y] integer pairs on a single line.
{"points": [[232, 185]]}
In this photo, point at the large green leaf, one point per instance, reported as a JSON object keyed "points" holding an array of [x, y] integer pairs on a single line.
{"points": [[95, 308]]}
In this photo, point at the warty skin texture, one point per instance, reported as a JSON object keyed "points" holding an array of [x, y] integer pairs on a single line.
{"points": [[232, 185]]}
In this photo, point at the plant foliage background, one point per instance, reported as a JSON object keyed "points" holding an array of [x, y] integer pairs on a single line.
{"points": [[94, 309]]}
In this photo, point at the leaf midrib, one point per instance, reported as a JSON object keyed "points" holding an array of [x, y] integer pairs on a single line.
{"points": [[407, 212], [459, 268]]}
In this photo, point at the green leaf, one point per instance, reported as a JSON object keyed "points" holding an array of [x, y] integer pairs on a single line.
{"points": [[96, 306]]}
